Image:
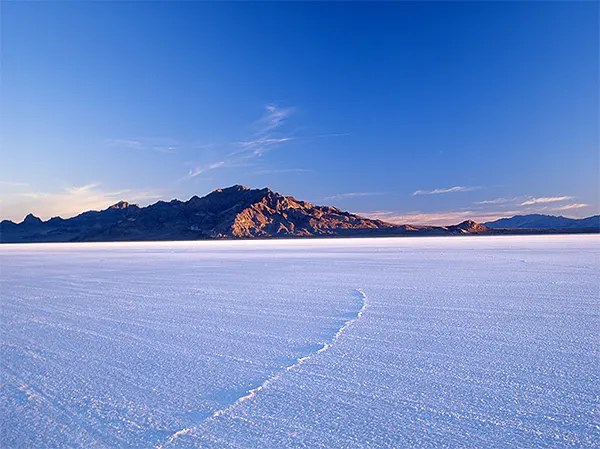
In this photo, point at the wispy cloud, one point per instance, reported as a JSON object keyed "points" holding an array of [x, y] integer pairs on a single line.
{"points": [[146, 144], [223, 164], [78, 191], [268, 135], [70, 201], [274, 117], [264, 141], [546, 199], [445, 190], [199, 144], [571, 206], [341, 196], [533, 203], [195, 171], [497, 201], [81, 189], [261, 145], [323, 136]]}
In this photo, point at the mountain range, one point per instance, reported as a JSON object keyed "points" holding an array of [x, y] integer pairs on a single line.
{"points": [[539, 221], [240, 213]]}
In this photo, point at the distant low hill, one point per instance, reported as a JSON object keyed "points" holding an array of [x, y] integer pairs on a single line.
{"points": [[232, 213], [539, 221]]}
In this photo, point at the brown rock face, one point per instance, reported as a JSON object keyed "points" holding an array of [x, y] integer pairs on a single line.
{"points": [[270, 214], [123, 205], [469, 227]]}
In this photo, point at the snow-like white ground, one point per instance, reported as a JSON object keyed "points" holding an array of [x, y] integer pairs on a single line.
{"points": [[369, 343]]}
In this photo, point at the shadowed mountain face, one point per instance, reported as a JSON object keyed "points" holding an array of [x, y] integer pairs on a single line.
{"points": [[232, 213]]}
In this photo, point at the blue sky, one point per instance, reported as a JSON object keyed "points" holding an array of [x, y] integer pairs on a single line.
{"points": [[414, 112]]}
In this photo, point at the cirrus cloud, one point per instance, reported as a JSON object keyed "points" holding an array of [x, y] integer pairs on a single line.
{"points": [[340, 196], [268, 135], [146, 144], [546, 199], [571, 206], [445, 190]]}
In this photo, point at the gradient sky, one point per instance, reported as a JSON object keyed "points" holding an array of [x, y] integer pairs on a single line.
{"points": [[415, 112]]}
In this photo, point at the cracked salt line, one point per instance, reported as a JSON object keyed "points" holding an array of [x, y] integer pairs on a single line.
{"points": [[252, 393]]}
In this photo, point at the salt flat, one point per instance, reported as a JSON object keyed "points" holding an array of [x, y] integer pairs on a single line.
{"points": [[406, 342]]}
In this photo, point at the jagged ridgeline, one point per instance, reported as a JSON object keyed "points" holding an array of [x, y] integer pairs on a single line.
{"points": [[232, 213]]}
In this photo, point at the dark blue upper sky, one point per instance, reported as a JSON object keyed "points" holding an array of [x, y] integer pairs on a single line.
{"points": [[419, 112]]}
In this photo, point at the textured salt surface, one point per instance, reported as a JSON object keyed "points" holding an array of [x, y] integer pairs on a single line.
{"points": [[430, 342]]}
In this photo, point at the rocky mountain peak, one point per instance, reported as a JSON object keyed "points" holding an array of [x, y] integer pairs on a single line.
{"points": [[122, 205], [31, 219], [234, 188]]}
